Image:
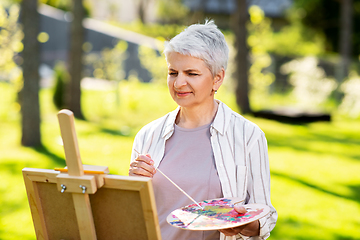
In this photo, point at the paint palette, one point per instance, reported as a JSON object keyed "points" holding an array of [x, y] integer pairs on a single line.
{"points": [[216, 214]]}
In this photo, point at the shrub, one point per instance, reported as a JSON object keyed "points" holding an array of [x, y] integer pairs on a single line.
{"points": [[61, 77]]}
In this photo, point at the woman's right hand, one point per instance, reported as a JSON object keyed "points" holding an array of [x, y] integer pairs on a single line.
{"points": [[142, 166]]}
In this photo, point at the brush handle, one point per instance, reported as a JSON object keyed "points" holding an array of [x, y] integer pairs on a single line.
{"points": [[187, 195], [157, 169]]}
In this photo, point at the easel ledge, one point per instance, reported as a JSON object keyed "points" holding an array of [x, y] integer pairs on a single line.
{"points": [[50, 176]]}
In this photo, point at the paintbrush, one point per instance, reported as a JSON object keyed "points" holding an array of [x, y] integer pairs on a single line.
{"points": [[157, 169]]}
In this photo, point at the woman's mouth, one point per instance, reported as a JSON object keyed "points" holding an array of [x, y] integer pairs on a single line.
{"points": [[182, 94]]}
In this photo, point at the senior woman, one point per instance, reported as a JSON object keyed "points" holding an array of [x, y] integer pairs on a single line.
{"points": [[206, 148]]}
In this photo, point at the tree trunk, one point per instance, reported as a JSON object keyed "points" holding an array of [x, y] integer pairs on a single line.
{"points": [[77, 35], [346, 18], [29, 95], [141, 10], [240, 19]]}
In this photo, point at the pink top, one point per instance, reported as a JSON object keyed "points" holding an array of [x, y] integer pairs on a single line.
{"points": [[189, 162]]}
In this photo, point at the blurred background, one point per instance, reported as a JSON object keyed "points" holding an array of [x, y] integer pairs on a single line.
{"points": [[293, 70]]}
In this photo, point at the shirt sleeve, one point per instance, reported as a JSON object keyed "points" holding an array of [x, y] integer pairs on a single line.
{"points": [[137, 145], [258, 188]]}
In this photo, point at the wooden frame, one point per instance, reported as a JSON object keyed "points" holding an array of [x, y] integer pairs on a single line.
{"points": [[123, 208], [83, 202]]}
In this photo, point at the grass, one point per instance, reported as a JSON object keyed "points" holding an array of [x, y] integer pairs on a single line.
{"points": [[315, 179], [315, 168]]}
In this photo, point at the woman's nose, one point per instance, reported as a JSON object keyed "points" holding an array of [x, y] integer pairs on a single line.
{"points": [[180, 81]]}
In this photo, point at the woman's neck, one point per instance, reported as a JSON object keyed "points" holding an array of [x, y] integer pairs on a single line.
{"points": [[196, 116]]}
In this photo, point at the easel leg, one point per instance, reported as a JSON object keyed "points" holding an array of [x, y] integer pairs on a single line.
{"points": [[84, 216]]}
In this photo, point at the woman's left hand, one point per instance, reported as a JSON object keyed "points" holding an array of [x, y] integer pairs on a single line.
{"points": [[251, 229]]}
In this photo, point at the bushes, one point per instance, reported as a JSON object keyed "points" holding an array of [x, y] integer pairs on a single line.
{"points": [[61, 77]]}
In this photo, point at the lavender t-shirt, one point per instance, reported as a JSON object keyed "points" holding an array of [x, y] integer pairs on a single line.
{"points": [[189, 162]]}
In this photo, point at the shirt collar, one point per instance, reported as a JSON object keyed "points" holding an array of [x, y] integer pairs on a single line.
{"points": [[169, 123], [222, 118], [220, 123]]}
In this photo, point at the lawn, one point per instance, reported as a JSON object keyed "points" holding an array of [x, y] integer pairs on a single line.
{"points": [[315, 168]]}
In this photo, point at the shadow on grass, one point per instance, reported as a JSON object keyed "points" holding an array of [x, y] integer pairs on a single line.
{"points": [[99, 128], [12, 167], [288, 228], [304, 143], [355, 189], [355, 196], [294, 229], [55, 158], [113, 132]]}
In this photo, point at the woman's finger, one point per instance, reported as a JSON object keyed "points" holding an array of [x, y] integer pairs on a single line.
{"points": [[145, 158], [240, 209], [139, 172], [136, 170], [143, 166]]}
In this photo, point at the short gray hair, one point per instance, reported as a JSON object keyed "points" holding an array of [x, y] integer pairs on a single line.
{"points": [[203, 41]]}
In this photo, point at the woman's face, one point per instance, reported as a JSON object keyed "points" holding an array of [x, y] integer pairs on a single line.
{"points": [[190, 81]]}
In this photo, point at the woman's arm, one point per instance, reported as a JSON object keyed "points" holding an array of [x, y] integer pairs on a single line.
{"points": [[258, 189]]}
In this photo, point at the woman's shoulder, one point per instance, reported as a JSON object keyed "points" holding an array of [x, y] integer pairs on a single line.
{"points": [[158, 124], [238, 120]]}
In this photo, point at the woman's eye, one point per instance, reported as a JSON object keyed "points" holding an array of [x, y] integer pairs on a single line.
{"points": [[172, 73], [193, 74]]}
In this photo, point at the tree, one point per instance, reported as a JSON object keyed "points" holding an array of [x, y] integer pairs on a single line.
{"points": [[240, 19], [141, 9], [325, 17], [346, 18], [77, 35], [29, 95], [334, 19]]}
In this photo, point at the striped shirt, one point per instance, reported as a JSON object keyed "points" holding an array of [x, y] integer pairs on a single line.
{"points": [[241, 158]]}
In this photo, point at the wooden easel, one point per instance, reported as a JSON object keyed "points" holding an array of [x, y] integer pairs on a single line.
{"points": [[84, 202]]}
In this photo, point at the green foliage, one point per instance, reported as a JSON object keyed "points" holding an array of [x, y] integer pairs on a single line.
{"points": [[311, 87], [172, 11], [155, 30], [260, 34], [10, 44], [61, 77], [66, 5], [293, 39], [323, 17], [109, 65], [154, 62], [7, 3]]}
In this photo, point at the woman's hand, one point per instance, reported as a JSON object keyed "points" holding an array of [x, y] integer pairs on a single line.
{"points": [[251, 229], [142, 166]]}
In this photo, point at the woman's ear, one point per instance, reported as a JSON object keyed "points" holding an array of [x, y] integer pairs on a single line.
{"points": [[218, 79]]}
